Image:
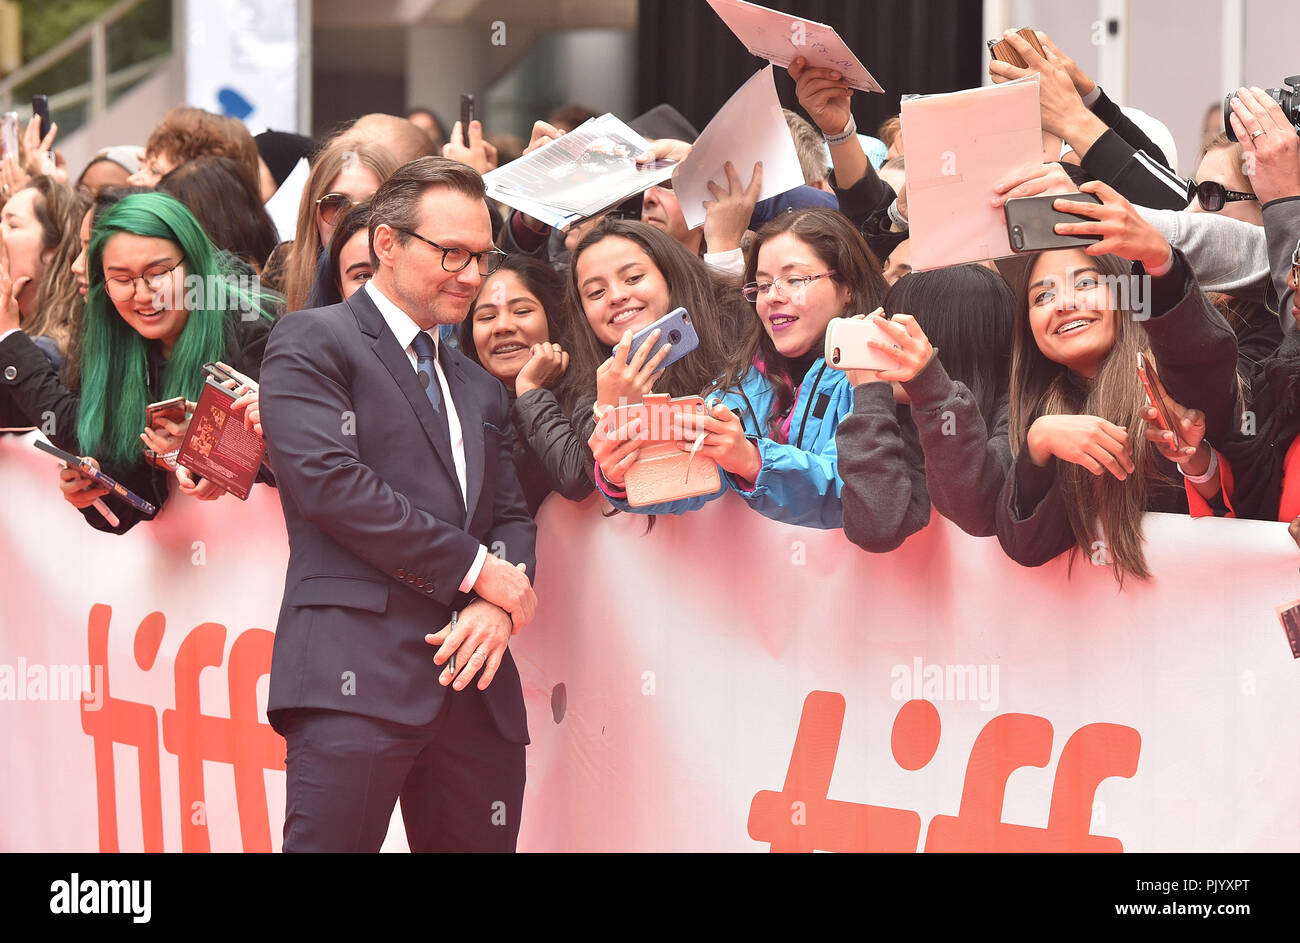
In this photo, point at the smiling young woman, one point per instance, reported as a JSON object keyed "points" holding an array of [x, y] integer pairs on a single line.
{"points": [[625, 276], [147, 334], [518, 330], [1085, 469]]}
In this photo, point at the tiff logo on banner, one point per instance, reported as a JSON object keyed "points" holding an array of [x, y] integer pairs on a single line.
{"points": [[76, 896]]}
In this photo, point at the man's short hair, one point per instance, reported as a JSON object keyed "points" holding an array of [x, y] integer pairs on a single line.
{"points": [[397, 201], [808, 144]]}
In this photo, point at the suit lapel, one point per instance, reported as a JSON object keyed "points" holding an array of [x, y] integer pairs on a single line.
{"points": [[399, 365], [471, 424]]}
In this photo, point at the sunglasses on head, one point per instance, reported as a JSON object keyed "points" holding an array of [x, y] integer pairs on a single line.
{"points": [[332, 204], [1214, 196]]}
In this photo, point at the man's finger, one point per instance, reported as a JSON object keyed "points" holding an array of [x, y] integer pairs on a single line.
{"points": [[490, 669]]}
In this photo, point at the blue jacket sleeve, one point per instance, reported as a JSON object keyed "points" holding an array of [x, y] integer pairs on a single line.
{"points": [[796, 486]]}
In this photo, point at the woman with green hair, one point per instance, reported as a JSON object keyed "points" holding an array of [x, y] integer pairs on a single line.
{"points": [[162, 301]]}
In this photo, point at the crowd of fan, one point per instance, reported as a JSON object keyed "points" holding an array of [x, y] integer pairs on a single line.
{"points": [[1013, 406]]}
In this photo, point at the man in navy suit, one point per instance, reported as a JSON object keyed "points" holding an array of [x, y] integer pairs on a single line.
{"points": [[394, 466]]}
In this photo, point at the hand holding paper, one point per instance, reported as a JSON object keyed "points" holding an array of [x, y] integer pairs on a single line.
{"points": [[749, 129]]}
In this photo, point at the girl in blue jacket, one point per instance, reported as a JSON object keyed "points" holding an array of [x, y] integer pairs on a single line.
{"points": [[773, 433]]}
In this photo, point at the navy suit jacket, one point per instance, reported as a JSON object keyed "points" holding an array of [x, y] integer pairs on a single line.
{"points": [[379, 539]]}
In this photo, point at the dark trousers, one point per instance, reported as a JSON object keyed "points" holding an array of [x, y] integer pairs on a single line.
{"points": [[461, 785]]}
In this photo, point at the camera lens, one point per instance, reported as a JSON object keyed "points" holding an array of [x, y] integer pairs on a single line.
{"points": [[835, 355], [674, 336]]}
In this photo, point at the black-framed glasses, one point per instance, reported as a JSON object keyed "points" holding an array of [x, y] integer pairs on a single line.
{"points": [[331, 204], [122, 287], [455, 258], [788, 284], [1214, 196]]}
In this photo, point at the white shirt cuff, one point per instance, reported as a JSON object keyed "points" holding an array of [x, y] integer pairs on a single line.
{"points": [[12, 330], [472, 576], [1091, 98], [731, 262]]}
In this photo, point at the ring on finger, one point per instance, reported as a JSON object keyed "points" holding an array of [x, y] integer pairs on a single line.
{"points": [[1256, 133]]}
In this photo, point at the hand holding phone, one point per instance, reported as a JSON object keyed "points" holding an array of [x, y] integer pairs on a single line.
{"points": [[1165, 416], [1003, 51], [1031, 222], [675, 328], [848, 344]]}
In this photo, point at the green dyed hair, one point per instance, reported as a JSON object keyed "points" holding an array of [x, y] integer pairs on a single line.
{"points": [[114, 366]]}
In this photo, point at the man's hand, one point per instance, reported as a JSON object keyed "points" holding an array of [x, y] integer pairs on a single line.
{"points": [[479, 643], [508, 588]]}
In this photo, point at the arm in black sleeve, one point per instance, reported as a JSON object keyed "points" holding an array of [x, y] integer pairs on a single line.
{"points": [[884, 496], [1194, 348], [1033, 525], [549, 435], [1126, 128], [36, 391], [965, 465], [1135, 176]]}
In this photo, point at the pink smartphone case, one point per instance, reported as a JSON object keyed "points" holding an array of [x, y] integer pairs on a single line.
{"points": [[663, 472]]}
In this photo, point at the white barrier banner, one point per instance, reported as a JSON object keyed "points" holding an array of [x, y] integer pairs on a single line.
{"points": [[720, 683]]}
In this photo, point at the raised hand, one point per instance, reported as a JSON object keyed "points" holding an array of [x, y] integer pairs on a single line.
{"points": [[546, 365]]}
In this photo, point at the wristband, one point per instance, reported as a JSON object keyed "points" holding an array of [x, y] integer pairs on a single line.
{"points": [[850, 129], [1209, 471], [898, 218]]}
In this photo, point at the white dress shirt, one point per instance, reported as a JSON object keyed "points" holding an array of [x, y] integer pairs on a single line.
{"points": [[405, 329]]}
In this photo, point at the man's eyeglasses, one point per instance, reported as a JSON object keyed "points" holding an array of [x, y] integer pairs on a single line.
{"points": [[788, 285], [122, 287], [1213, 196], [332, 204], [455, 259]]}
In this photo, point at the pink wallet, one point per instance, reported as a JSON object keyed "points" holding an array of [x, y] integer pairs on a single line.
{"points": [[662, 471]]}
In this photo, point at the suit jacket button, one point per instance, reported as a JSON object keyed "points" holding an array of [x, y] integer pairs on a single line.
{"points": [[429, 588], [401, 573], [11, 372], [420, 582]]}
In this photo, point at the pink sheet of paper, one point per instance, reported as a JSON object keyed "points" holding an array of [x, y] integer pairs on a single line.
{"points": [[958, 145], [780, 38]]}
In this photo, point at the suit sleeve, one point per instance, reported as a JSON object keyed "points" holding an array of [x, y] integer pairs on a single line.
{"points": [[305, 403]]}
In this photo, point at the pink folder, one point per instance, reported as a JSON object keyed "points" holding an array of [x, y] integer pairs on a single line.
{"points": [[957, 146]]}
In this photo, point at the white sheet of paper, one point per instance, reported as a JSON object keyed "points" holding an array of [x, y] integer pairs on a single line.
{"points": [[283, 205], [958, 145], [780, 38], [750, 127]]}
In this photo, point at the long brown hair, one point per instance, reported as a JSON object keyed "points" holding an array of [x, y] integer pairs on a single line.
{"points": [[1097, 505], [841, 248], [303, 258], [59, 305], [715, 305]]}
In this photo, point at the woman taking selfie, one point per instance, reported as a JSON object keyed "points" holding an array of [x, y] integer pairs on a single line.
{"points": [[144, 341], [1084, 470], [626, 276]]}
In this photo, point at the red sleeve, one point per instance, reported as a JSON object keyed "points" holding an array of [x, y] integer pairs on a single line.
{"points": [[1197, 506]]}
